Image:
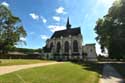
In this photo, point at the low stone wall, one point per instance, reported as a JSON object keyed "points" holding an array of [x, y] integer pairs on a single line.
{"points": [[63, 57], [93, 59]]}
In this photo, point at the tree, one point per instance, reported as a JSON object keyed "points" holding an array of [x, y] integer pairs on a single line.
{"points": [[110, 30], [11, 29]]}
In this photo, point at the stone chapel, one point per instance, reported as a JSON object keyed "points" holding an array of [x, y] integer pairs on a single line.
{"points": [[65, 44]]}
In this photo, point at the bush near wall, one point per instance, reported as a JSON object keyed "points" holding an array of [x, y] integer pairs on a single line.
{"points": [[16, 56]]}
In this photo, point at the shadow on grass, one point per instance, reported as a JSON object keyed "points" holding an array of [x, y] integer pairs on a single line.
{"points": [[107, 67], [120, 67], [92, 66]]}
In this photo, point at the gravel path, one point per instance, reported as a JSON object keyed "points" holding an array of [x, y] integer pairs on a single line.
{"points": [[9, 69], [110, 75]]}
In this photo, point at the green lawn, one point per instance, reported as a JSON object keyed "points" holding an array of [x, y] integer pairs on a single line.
{"points": [[6, 62], [120, 67], [58, 73]]}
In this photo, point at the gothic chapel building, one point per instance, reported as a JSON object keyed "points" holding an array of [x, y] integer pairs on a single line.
{"points": [[65, 44]]}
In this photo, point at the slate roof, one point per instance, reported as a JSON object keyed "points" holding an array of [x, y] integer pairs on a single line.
{"points": [[67, 32], [90, 44]]}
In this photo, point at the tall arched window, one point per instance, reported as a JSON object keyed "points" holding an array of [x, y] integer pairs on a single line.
{"points": [[75, 46], [51, 46], [58, 47], [66, 46]]}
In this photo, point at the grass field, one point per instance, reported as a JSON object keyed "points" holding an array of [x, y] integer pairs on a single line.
{"points": [[58, 73], [120, 67], [7, 62]]}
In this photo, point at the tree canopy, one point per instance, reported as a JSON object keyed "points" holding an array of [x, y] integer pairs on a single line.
{"points": [[110, 30], [11, 29]]}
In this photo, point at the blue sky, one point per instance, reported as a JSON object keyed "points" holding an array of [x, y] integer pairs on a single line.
{"points": [[41, 18]]}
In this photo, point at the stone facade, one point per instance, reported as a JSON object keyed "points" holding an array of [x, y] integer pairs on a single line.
{"points": [[63, 47], [67, 45], [89, 50]]}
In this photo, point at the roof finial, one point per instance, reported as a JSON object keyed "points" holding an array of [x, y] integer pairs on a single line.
{"points": [[68, 25]]}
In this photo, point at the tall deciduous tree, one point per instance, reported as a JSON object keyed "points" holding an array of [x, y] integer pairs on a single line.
{"points": [[11, 29], [111, 30]]}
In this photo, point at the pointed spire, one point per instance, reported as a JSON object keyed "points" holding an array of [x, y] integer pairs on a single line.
{"points": [[68, 25]]}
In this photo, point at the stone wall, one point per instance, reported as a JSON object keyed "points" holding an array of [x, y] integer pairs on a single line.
{"points": [[70, 39], [90, 50]]}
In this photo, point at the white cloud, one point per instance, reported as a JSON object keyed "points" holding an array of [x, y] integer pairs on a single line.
{"points": [[34, 16], [44, 37], [43, 19], [38, 17], [23, 39], [106, 3], [56, 18], [5, 4], [31, 33], [54, 28], [98, 50], [96, 9], [86, 16], [60, 10]]}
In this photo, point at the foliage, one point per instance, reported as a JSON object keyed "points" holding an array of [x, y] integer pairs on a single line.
{"points": [[11, 29], [111, 30], [25, 50]]}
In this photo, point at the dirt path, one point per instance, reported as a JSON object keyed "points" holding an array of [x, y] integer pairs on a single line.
{"points": [[110, 75], [9, 69]]}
